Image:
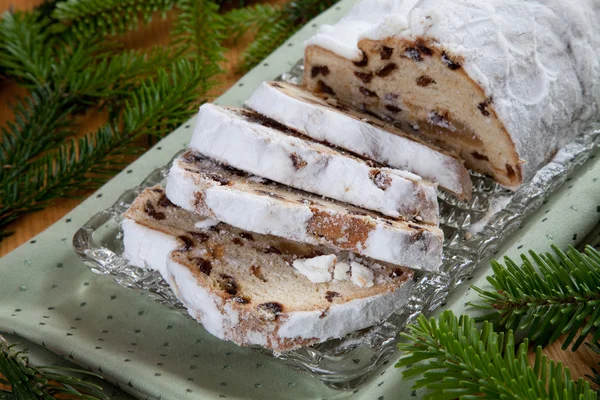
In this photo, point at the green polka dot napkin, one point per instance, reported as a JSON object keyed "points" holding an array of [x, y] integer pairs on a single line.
{"points": [[51, 300]]}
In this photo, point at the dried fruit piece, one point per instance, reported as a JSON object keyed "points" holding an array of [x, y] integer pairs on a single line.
{"points": [[425, 80], [331, 295], [449, 62], [324, 88], [319, 69], [151, 211], [367, 92], [386, 53], [364, 76], [385, 71], [362, 63]]}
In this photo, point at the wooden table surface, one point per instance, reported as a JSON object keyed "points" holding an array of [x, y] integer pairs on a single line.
{"points": [[579, 362]]}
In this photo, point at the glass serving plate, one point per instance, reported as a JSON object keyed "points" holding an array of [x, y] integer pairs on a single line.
{"points": [[473, 231]]}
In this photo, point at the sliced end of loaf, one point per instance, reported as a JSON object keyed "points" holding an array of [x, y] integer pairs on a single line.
{"points": [[424, 90]]}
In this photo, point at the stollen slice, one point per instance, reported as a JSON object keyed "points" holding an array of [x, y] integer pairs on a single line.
{"points": [[261, 146], [243, 286], [324, 119], [198, 184]]}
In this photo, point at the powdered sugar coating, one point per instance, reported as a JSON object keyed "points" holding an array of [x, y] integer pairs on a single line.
{"points": [[229, 138], [301, 110], [538, 59], [289, 215], [316, 269]]}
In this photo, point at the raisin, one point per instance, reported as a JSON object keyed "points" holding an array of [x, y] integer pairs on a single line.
{"points": [[478, 156], [199, 236], [241, 300], [386, 53], [393, 109], [367, 92], [151, 211], [218, 178], [165, 202], [449, 62], [228, 284], [425, 80], [396, 273], [247, 236], [364, 62], [188, 243], [203, 265], [380, 179], [270, 311], [322, 87], [324, 313], [413, 53], [483, 107], [237, 241], [364, 76], [424, 49], [331, 295], [298, 161], [388, 69], [277, 85], [319, 69]]}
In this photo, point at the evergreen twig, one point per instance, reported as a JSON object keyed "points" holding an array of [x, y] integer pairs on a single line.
{"points": [[156, 107], [27, 382], [200, 29], [88, 18], [276, 29], [548, 296], [453, 359], [256, 17]]}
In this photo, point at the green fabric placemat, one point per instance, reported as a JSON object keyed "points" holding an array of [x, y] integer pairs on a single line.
{"points": [[50, 298]]}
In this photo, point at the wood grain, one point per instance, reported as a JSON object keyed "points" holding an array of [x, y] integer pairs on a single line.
{"points": [[580, 362]]}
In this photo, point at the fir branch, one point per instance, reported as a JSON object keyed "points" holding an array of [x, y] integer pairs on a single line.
{"points": [[27, 382], [455, 360], [88, 18], [289, 19], [25, 48], [156, 107], [41, 120], [548, 296], [200, 30], [247, 19]]}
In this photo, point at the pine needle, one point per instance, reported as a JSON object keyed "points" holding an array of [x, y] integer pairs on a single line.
{"points": [[275, 29], [547, 296], [453, 359], [31, 383], [156, 107], [89, 18]]}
